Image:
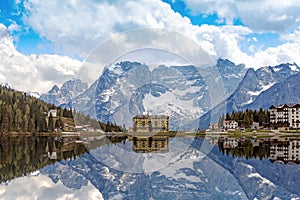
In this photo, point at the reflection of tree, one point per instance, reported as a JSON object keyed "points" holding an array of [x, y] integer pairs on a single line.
{"points": [[247, 149], [22, 155]]}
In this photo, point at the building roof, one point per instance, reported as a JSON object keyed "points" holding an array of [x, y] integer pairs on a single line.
{"points": [[285, 106], [151, 116], [229, 121]]}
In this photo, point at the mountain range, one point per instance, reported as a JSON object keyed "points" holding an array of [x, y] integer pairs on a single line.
{"points": [[64, 95], [192, 96], [259, 89]]}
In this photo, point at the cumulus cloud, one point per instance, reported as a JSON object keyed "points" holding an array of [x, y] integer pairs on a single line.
{"points": [[267, 15], [33, 72], [77, 27], [287, 52], [84, 23]]}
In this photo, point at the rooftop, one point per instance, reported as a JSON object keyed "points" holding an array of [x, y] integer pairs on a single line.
{"points": [[150, 116]]}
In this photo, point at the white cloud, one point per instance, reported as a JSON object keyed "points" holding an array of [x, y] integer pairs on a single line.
{"points": [[33, 72], [267, 15], [78, 26], [14, 27], [289, 51]]}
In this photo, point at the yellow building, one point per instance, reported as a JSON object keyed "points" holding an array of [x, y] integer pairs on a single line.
{"points": [[148, 123], [144, 144]]}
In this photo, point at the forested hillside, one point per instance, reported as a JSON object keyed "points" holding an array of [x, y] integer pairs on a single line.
{"points": [[20, 112]]}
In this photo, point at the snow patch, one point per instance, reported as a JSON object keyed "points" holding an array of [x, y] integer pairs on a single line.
{"points": [[115, 69], [168, 102], [106, 94], [294, 68], [264, 88]]}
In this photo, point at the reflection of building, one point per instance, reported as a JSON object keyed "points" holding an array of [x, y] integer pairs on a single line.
{"points": [[148, 123], [285, 116], [230, 143], [144, 144], [286, 150]]}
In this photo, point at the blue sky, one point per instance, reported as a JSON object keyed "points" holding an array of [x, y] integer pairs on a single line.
{"points": [[254, 32], [28, 41]]}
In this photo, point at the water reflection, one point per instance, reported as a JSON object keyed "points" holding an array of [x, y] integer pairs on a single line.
{"points": [[212, 168], [22, 155], [278, 150], [146, 144]]}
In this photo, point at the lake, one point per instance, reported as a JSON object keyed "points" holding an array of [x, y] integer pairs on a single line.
{"points": [[149, 167]]}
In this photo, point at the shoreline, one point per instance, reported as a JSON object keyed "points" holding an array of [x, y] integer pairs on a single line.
{"points": [[170, 134]]}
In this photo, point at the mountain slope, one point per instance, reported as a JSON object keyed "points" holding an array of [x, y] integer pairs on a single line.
{"points": [[253, 84], [129, 88], [62, 96], [284, 92], [181, 92]]}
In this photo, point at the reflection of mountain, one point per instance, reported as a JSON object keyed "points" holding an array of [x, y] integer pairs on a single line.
{"points": [[201, 172]]}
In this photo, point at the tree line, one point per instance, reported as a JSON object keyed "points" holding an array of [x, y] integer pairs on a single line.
{"points": [[20, 112], [247, 117]]}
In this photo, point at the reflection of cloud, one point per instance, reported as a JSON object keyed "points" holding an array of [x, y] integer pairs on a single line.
{"points": [[41, 187]]}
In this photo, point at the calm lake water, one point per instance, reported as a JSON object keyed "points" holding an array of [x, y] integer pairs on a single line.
{"points": [[157, 167]]}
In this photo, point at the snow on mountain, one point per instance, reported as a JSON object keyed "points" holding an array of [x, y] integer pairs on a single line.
{"points": [[34, 94], [126, 89], [284, 92], [30, 93], [62, 96], [253, 84], [134, 89]]}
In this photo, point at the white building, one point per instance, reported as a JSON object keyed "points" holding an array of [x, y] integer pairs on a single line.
{"points": [[213, 127], [52, 112], [230, 124], [285, 116]]}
